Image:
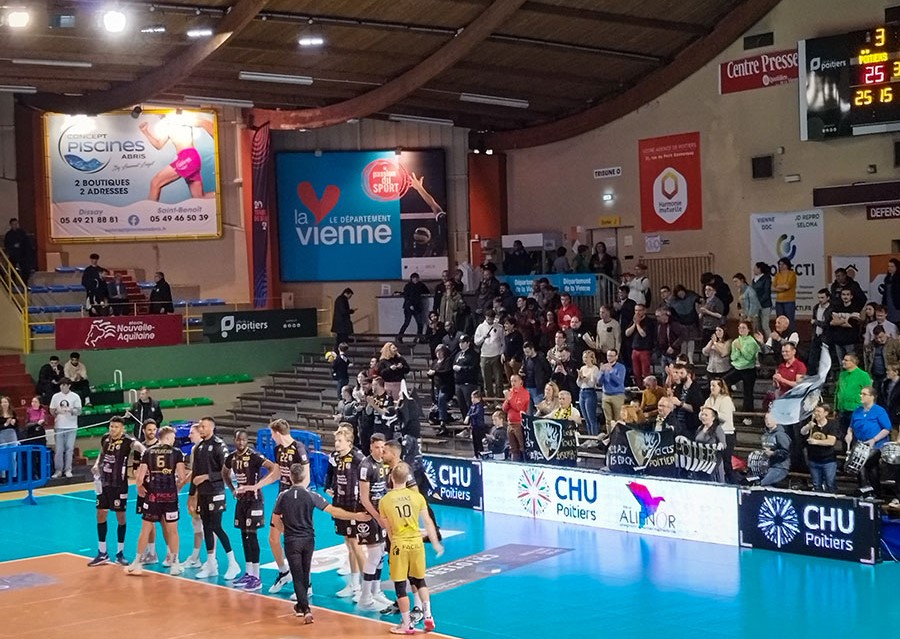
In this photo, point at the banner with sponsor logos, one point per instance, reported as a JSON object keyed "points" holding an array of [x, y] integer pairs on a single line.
{"points": [[798, 236], [756, 72], [455, 481], [117, 177], [677, 509], [80, 333], [574, 284], [671, 192], [870, 271], [242, 326], [813, 524], [637, 451], [550, 441], [368, 215]]}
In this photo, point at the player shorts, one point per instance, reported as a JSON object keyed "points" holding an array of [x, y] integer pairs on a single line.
{"points": [[248, 514], [211, 503], [369, 532], [139, 506], [344, 527], [164, 511], [113, 498], [407, 559]]}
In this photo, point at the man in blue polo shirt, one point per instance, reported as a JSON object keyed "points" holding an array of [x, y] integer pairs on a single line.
{"points": [[612, 381], [871, 425]]}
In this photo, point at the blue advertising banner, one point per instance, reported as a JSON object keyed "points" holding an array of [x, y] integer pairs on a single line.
{"points": [[455, 481], [119, 177], [572, 283], [369, 215]]}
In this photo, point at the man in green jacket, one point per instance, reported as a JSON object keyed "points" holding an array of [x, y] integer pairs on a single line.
{"points": [[851, 381]]}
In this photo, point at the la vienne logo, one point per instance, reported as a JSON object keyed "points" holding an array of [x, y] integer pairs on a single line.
{"points": [[533, 491]]}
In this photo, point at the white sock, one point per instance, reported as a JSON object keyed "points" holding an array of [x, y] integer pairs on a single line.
{"points": [[231, 559], [417, 601], [120, 547], [356, 580], [284, 566], [101, 546], [254, 570], [426, 608], [195, 554], [404, 617]]}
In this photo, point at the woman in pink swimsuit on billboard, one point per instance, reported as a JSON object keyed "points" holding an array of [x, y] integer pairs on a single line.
{"points": [[187, 163]]}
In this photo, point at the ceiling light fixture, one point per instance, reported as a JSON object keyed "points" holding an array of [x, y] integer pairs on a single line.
{"points": [[200, 33], [311, 41], [493, 100], [419, 119], [18, 19], [17, 88], [201, 100], [114, 21], [154, 28], [53, 63], [278, 78]]}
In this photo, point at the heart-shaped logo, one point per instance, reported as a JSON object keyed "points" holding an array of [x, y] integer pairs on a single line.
{"points": [[320, 208]]}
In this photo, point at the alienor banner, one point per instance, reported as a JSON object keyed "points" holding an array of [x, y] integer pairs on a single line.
{"points": [[133, 176], [372, 215], [798, 236], [78, 333], [671, 192]]}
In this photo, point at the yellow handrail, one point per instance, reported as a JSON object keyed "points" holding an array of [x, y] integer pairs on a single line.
{"points": [[17, 291]]}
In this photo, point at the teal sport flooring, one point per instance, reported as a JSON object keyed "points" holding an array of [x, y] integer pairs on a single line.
{"points": [[579, 581]]}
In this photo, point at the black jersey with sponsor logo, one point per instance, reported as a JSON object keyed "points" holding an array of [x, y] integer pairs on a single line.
{"points": [[376, 473], [115, 455], [287, 456], [246, 466], [161, 461], [346, 479], [208, 458]]}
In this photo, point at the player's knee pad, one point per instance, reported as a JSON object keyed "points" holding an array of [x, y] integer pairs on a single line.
{"points": [[400, 589], [374, 555], [417, 583]]}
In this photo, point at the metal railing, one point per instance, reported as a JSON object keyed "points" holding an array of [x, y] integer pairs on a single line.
{"points": [[26, 468], [17, 291]]}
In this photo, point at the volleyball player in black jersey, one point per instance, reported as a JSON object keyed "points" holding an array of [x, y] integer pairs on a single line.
{"points": [[343, 485]]}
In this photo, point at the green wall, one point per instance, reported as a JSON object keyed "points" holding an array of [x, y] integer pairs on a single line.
{"points": [[255, 358]]}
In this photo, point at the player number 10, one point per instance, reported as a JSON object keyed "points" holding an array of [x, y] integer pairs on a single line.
{"points": [[865, 97]]}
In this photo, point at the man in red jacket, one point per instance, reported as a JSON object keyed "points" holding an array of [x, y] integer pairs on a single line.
{"points": [[515, 405], [566, 312]]}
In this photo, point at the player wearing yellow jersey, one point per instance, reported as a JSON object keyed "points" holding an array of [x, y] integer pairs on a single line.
{"points": [[401, 510]]}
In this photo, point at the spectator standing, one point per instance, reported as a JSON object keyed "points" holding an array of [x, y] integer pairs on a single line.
{"points": [[762, 286], [515, 404], [684, 313], [435, 332], [561, 263], [609, 333], [9, 434], [668, 336], [820, 435], [889, 393], [94, 282], [710, 432], [821, 320], [76, 372], [475, 420], [340, 367], [465, 373], [143, 409], [641, 335], [744, 349], [535, 372], [851, 381], [720, 401], [588, 377], [518, 261], [48, 380], [118, 296], [392, 368], [784, 284], [723, 292], [882, 321], [161, 295], [513, 344], [844, 333], [718, 354], [564, 370], [843, 280], [748, 303], [777, 447], [686, 398], [65, 406], [567, 311], [890, 298], [639, 286], [488, 289], [18, 249], [612, 383], [439, 291], [413, 305], [489, 338], [527, 318], [875, 357], [712, 313], [575, 335], [452, 304], [341, 320], [549, 329], [581, 262], [601, 261], [871, 425], [441, 374]]}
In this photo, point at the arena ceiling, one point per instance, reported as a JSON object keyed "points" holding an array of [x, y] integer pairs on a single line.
{"points": [[518, 72]]}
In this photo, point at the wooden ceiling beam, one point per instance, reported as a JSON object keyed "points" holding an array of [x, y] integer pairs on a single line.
{"points": [[615, 18], [403, 85], [653, 85], [159, 79]]}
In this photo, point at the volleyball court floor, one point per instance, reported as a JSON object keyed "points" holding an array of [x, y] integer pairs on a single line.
{"points": [[501, 577]]}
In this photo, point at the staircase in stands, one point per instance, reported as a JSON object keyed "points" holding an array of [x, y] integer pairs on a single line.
{"points": [[15, 382]]}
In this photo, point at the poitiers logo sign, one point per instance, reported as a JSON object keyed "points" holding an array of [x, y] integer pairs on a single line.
{"points": [[810, 524], [256, 325], [454, 481]]}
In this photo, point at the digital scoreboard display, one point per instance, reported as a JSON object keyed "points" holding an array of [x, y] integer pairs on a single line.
{"points": [[850, 84]]}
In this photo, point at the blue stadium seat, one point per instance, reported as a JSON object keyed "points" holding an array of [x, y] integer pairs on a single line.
{"points": [[37, 289], [75, 288], [66, 269], [58, 288], [34, 310], [179, 303], [199, 303], [215, 301], [53, 309], [43, 329], [71, 308], [195, 321]]}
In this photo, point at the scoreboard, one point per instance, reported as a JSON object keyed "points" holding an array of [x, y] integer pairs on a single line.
{"points": [[850, 84]]}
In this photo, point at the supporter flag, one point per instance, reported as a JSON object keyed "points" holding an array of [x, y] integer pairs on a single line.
{"points": [[798, 403]]}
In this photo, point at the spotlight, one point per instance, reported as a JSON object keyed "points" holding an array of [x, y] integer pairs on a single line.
{"points": [[199, 33], [311, 41], [18, 19], [114, 21], [136, 112], [608, 197], [489, 152]]}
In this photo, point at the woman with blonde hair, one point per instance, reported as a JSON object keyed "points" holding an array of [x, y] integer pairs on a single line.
{"points": [[550, 402], [392, 368], [710, 432], [588, 375], [720, 400]]}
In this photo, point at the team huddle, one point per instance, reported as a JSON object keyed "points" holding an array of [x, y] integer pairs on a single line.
{"points": [[375, 501]]}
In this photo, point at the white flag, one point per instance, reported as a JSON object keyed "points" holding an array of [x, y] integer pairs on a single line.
{"points": [[798, 403]]}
